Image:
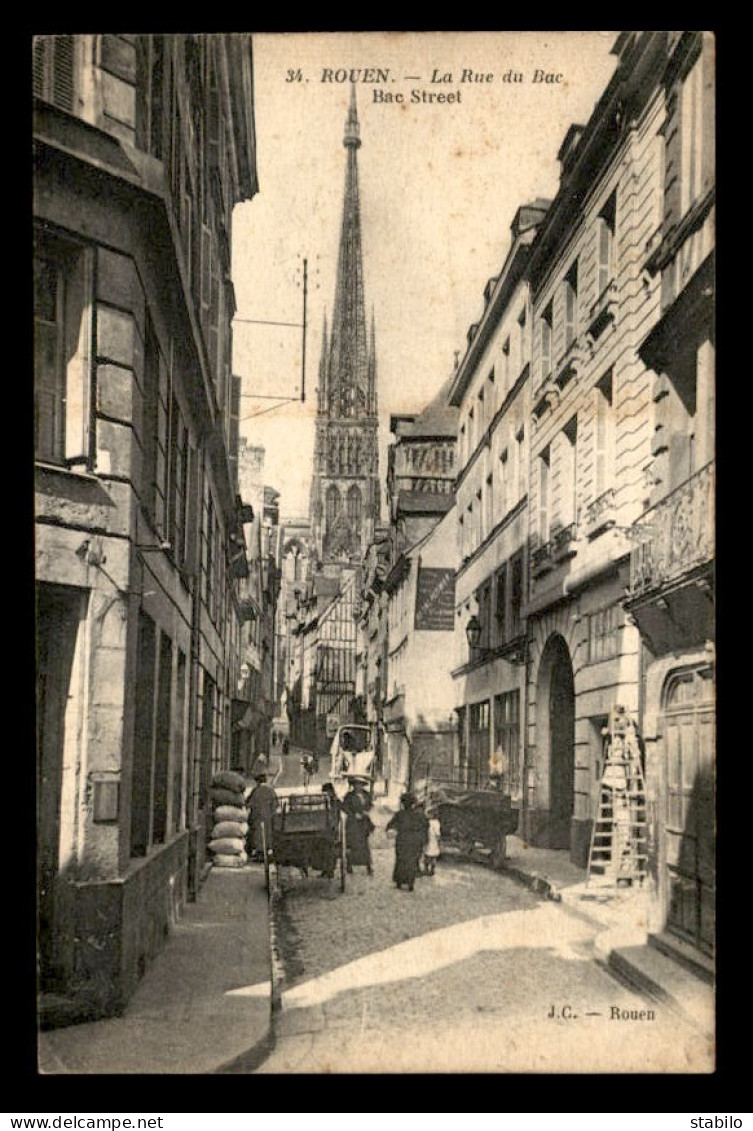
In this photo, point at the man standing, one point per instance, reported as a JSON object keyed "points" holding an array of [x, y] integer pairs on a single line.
{"points": [[262, 804]]}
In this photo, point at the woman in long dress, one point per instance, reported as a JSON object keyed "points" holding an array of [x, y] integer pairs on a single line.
{"points": [[359, 826], [412, 828]]}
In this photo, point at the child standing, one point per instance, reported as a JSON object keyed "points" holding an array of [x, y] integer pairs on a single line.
{"points": [[431, 848]]}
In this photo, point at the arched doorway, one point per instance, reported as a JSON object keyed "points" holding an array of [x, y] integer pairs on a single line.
{"points": [[556, 729]]}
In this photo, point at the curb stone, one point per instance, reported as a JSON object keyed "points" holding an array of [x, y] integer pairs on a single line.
{"points": [[277, 969]]}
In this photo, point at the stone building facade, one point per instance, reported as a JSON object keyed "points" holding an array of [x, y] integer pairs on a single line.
{"points": [[671, 589], [492, 389], [592, 305], [142, 146]]}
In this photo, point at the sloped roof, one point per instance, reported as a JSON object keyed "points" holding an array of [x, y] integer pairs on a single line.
{"points": [[424, 502], [438, 418]]}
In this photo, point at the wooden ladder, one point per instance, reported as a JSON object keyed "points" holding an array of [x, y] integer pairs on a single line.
{"points": [[618, 856]]}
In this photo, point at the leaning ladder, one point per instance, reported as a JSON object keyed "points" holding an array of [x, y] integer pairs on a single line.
{"points": [[619, 839]]}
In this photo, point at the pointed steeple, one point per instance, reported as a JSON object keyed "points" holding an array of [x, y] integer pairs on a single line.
{"points": [[348, 362], [345, 494]]}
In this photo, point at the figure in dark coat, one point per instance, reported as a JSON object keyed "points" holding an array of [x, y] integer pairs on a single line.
{"points": [[359, 827], [262, 804], [412, 830]]}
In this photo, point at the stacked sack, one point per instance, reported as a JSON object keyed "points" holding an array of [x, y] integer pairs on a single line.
{"points": [[227, 842]]}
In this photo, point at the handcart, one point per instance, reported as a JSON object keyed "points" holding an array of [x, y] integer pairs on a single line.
{"points": [[308, 833], [469, 817]]}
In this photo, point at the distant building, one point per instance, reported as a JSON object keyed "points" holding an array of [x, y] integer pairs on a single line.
{"points": [[142, 146], [419, 610], [255, 706]]}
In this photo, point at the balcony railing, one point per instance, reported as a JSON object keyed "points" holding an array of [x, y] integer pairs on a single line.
{"points": [[564, 542], [676, 535], [601, 513], [542, 559]]}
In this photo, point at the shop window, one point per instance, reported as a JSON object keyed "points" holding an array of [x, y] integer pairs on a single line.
{"points": [[162, 740], [506, 762], [143, 736]]}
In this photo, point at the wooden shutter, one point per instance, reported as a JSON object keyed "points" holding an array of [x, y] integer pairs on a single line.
{"points": [[78, 342], [600, 443], [52, 74], [544, 496], [41, 51], [570, 299], [605, 240]]}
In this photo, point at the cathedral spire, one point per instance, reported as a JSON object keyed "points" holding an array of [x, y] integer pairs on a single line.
{"points": [[345, 485], [347, 377]]}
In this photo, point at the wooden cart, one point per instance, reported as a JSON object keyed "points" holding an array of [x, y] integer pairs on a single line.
{"points": [[471, 817], [308, 833]]}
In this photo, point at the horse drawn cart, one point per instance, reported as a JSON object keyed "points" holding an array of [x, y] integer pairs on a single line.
{"points": [[308, 833], [473, 817]]}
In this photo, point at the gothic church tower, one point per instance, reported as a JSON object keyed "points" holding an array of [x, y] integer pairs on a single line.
{"points": [[345, 495]]}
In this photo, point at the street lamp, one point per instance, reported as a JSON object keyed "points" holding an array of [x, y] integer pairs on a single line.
{"points": [[473, 633]]}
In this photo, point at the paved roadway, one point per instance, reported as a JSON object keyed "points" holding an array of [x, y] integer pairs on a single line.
{"points": [[470, 972]]}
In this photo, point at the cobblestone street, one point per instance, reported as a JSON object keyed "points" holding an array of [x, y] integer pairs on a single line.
{"points": [[460, 975]]}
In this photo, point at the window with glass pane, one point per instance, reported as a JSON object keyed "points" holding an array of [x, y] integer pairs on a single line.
{"points": [[571, 304], [516, 595], [606, 244], [500, 607], [62, 352], [545, 343], [507, 740], [691, 124]]}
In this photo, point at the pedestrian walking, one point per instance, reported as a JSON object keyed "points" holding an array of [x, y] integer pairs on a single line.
{"points": [[359, 826], [285, 745], [262, 804], [411, 827], [431, 849]]}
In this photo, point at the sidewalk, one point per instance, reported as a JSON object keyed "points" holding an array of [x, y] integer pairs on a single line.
{"points": [[622, 939], [203, 1005]]}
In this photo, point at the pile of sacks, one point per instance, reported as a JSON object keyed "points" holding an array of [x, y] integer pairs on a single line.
{"points": [[227, 841]]}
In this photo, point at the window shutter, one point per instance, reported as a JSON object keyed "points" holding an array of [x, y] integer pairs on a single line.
{"points": [[41, 51], [569, 314], [78, 336], [605, 241], [600, 437], [62, 77], [544, 497]]}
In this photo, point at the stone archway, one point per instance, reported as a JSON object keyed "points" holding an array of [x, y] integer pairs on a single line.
{"points": [[555, 727]]}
